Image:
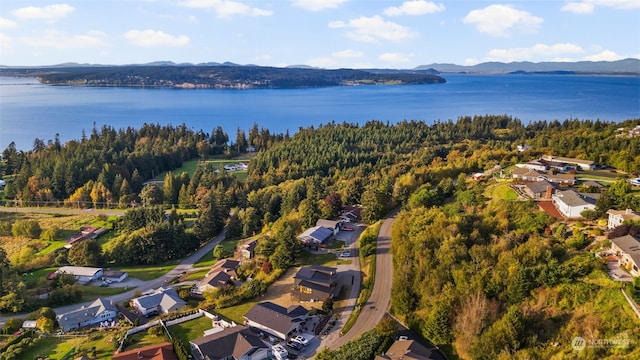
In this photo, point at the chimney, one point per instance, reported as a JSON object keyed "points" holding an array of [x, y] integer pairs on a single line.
{"points": [[547, 195]]}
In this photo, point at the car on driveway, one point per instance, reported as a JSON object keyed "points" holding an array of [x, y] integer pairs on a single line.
{"points": [[300, 340], [347, 228], [294, 345], [345, 254]]}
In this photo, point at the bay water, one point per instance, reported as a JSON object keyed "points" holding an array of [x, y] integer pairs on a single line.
{"points": [[29, 110]]}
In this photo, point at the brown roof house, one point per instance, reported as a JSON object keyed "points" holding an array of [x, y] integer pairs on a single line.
{"points": [[232, 343], [406, 349], [315, 283], [162, 351], [276, 320], [628, 248], [222, 273]]}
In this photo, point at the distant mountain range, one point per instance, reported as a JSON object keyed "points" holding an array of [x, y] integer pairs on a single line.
{"points": [[626, 66], [629, 66]]}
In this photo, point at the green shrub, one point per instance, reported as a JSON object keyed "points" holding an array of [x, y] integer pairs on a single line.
{"points": [[28, 228]]}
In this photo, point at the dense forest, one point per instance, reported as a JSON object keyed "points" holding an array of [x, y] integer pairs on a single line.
{"points": [[221, 76], [482, 278]]}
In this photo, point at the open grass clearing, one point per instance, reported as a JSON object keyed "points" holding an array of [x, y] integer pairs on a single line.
{"points": [[91, 292], [54, 348], [190, 167], [192, 329], [195, 275], [500, 190], [149, 272], [143, 339]]}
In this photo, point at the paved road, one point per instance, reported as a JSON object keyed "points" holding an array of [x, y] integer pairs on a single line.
{"points": [[184, 266], [380, 299]]}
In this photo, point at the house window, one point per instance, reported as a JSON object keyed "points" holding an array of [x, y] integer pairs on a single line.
{"points": [[304, 290]]}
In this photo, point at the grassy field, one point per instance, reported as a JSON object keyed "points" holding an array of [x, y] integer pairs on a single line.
{"points": [[500, 190], [142, 339], [236, 313], [208, 259], [92, 292], [149, 272], [190, 330], [195, 275], [190, 167], [55, 348]]}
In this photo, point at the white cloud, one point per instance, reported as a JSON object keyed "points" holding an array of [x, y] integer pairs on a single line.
{"points": [[606, 55], [371, 29], [395, 58], [588, 6], [501, 20], [578, 7], [347, 54], [50, 12], [6, 23], [150, 38], [5, 42], [317, 5], [61, 40], [537, 52], [414, 7], [228, 8]]}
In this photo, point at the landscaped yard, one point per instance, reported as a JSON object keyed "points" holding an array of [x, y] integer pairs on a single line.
{"points": [[192, 329], [500, 190], [190, 167], [54, 348]]}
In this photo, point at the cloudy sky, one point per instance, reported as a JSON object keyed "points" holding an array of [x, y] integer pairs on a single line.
{"points": [[322, 33]]}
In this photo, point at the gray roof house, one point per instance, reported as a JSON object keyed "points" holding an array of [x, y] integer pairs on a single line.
{"points": [[628, 248], [162, 300], [316, 236], [248, 249], [275, 319], [315, 283], [221, 273], [232, 343], [99, 311], [571, 203], [333, 225], [539, 189], [82, 273]]}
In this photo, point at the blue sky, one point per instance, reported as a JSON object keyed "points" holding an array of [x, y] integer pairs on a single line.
{"points": [[322, 33]]}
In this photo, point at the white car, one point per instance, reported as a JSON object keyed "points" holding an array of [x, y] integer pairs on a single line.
{"points": [[345, 254], [279, 352], [300, 340]]}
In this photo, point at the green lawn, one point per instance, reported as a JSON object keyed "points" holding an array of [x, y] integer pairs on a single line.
{"points": [[308, 258], [190, 168], [55, 348], [52, 245], [236, 313], [190, 330], [31, 278], [500, 191], [92, 292], [149, 272], [142, 339], [195, 275]]}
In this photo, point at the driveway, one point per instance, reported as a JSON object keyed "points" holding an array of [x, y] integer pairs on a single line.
{"points": [[616, 273]]}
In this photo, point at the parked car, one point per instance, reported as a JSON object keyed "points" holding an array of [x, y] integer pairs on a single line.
{"points": [[345, 254], [300, 340], [294, 345], [347, 228]]}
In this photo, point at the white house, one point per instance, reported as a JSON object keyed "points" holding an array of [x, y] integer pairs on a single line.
{"points": [[628, 248], [114, 276], [571, 204], [99, 312], [83, 274], [617, 217], [161, 301]]}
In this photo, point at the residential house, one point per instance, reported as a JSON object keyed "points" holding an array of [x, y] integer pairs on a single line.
{"points": [[86, 232], [232, 343], [533, 165], [351, 213], [315, 283], [222, 273], [247, 250], [523, 147], [316, 236], [583, 164], [571, 203], [98, 312], [527, 174], [617, 217], [162, 351], [539, 189], [114, 276], [566, 179], [83, 274], [628, 248], [333, 225], [276, 320], [160, 301], [407, 349]]}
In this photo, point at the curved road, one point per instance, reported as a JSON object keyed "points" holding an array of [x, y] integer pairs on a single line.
{"points": [[380, 299]]}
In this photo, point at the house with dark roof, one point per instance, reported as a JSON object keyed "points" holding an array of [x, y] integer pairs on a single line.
{"points": [[539, 189], [248, 249], [162, 351], [406, 349], [571, 203], [628, 248], [232, 343], [617, 217], [98, 312], [161, 301], [316, 236], [276, 320], [315, 283], [222, 273]]}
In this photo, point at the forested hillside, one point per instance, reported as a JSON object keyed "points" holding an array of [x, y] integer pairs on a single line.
{"points": [[481, 277]]}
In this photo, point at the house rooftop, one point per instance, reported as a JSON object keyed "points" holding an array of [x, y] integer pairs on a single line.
{"points": [[232, 341], [78, 270], [627, 214], [573, 198], [276, 317], [630, 245], [84, 313], [162, 351], [167, 297]]}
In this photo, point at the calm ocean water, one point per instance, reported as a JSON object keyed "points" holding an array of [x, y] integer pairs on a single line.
{"points": [[29, 110]]}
